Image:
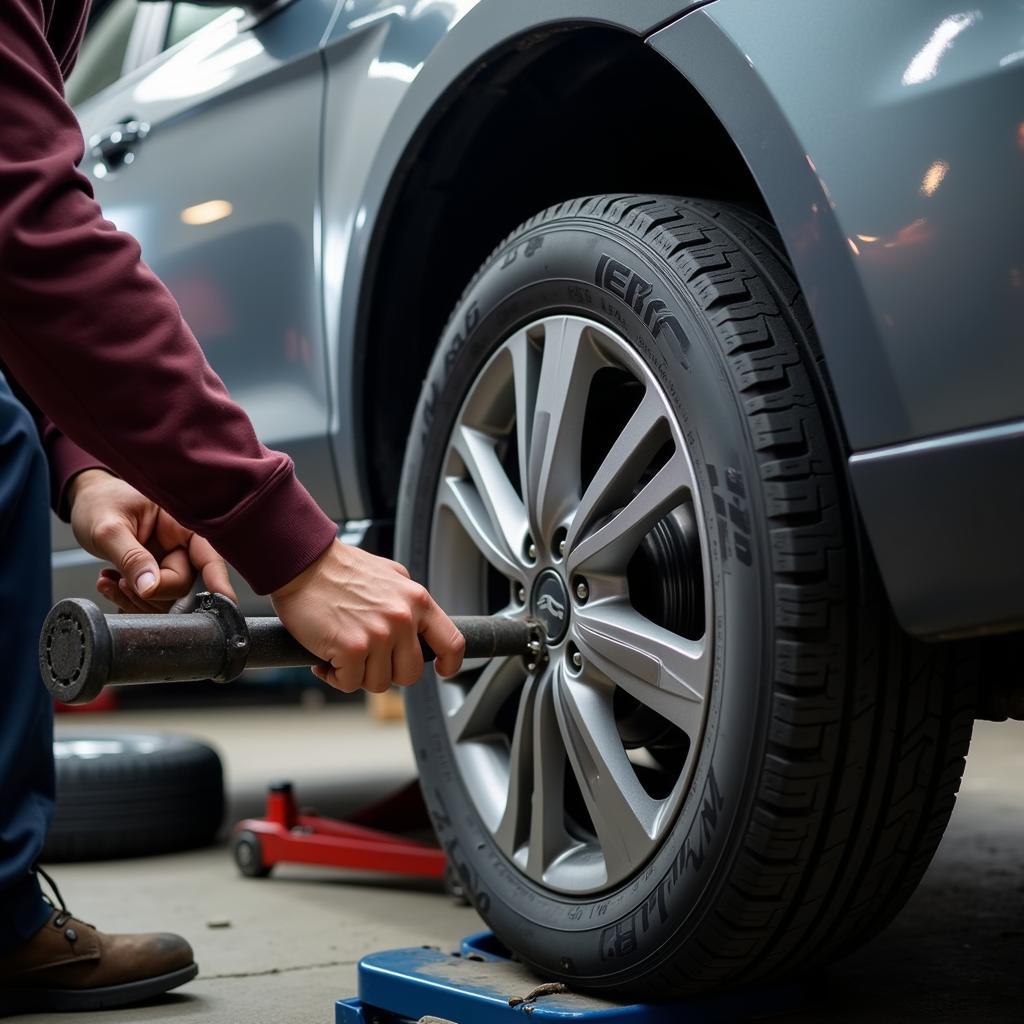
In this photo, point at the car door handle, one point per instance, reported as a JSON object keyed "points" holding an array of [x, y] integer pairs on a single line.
{"points": [[115, 148]]}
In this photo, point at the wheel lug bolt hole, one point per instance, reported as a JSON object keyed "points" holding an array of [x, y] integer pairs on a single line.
{"points": [[529, 549], [580, 589]]}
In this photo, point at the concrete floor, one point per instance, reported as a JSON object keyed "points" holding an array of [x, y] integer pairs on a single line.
{"points": [[955, 954]]}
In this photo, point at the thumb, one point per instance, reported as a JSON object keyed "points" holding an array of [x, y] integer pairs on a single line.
{"points": [[119, 544]]}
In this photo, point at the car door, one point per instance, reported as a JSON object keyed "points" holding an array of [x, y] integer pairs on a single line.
{"points": [[208, 151]]}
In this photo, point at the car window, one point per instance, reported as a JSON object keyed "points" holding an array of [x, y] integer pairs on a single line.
{"points": [[189, 18], [102, 55]]}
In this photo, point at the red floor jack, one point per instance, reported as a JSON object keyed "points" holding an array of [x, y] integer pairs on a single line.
{"points": [[290, 835], [81, 650]]}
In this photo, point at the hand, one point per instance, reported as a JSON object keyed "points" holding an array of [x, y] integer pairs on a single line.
{"points": [[364, 615], [156, 559]]}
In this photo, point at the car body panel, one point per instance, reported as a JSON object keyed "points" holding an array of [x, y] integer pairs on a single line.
{"points": [[944, 517], [238, 248], [888, 141]]}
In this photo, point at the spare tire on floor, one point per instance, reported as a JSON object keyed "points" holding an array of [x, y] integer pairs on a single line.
{"points": [[132, 794]]}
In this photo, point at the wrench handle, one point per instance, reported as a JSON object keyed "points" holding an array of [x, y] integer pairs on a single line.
{"points": [[81, 650]]}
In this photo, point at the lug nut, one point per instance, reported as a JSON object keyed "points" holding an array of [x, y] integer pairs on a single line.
{"points": [[582, 590], [531, 550], [521, 593], [574, 657], [558, 543]]}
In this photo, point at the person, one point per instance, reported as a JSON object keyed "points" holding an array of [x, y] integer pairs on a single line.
{"points": [[160, 474]]}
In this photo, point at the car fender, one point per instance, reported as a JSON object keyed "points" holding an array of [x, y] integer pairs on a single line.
{"points": [[888, 143], [389, 69]]}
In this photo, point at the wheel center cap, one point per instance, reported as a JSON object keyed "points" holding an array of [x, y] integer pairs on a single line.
{"points": [[551, 604]]}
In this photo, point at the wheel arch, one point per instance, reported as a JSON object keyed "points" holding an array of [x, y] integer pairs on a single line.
{"points": [[510, 129]]}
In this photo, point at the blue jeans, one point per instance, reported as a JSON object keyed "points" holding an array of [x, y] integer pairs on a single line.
{"points": [[26, 710]]}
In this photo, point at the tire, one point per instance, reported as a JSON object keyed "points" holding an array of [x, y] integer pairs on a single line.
{"points": [[810, 782], [133, 794]]}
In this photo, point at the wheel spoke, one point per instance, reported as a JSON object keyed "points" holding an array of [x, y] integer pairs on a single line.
{"points": [[476, 717], [464, 501], [505, 509], [624, 816], [548, 836], [667, 672], [568, 363], [524, 383], [623, 466], [514, 825], [609, 548]]}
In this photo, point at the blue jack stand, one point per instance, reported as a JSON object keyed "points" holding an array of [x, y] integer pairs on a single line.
{"points": [[481, 984]]}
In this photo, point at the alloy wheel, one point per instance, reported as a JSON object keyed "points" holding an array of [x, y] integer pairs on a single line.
{"points": [[567, 495]]}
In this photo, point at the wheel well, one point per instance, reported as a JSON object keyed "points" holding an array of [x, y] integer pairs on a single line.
{"points": [[571, 112]]}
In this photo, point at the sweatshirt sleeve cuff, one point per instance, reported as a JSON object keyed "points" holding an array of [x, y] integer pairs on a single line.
{"points": [[274, 537], [67, 460]]}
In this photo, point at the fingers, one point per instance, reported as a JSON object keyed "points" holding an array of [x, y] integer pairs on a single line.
{"points": [[111, 585], [138, 604], [407, 660], [364, 615], [176, 577], [175, 580], [108, 587], [377, 674], [117, 543], [212, 568], [348, 667], [443, 638], [201, 556], [148, 547]]}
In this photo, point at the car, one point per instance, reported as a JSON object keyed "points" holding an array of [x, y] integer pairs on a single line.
{"points": [[690, 329]]}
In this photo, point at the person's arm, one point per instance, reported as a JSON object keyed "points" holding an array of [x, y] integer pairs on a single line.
{"points": [[99, 344]]}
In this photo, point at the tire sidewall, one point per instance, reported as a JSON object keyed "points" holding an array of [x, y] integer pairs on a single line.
{"points": [[562, 265], [150, 793]]}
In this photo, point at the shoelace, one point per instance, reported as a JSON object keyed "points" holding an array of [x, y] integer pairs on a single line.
{"points": [[64, 914]]}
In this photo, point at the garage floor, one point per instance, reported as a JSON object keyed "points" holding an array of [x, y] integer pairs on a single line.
{"points": [[287, 947]]}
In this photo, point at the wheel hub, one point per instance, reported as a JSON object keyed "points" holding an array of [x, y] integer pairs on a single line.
{"points": [[550, 604]]}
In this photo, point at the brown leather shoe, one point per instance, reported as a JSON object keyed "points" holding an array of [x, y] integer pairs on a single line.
{"points": [[69, 965]]}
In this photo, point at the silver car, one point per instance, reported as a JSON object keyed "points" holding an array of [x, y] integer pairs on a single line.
{"points": [[693, 330]]}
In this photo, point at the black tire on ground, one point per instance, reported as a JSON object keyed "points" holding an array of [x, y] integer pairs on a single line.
{"points": [[833, 745], [248, 853], [133, 794]]}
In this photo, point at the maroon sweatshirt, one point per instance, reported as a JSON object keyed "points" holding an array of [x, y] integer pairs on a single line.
{"points": [[97, 344]]}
